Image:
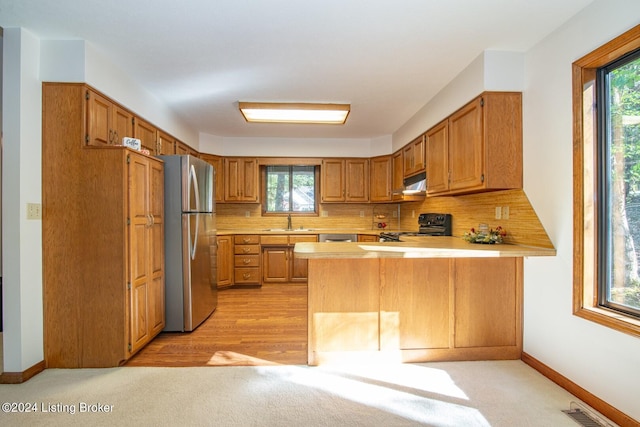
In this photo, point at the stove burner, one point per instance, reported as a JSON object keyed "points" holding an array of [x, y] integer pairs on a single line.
{"points": [[430, 224]]}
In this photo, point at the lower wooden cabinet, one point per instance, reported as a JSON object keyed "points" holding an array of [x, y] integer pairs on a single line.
{"points": [[224, 259], [246, 260], [415, 304], [368, 238], [488, 302], [275, 264], [415, 310], [279, 263]]}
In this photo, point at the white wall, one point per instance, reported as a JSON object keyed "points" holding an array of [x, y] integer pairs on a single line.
{"points": [[601, 360], [491, 70], [80, 61], [294, 147], [27, 62], [21, 184]]}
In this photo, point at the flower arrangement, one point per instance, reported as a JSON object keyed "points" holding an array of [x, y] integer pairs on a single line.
{"points": [[487, 237]]}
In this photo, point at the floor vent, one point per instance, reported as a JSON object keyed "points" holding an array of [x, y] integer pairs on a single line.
{"points": [[586, 418]]}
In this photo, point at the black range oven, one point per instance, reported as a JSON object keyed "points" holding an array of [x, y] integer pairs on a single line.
{"points": [[429, 224]]}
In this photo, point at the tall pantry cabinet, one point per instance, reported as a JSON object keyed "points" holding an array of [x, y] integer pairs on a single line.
{"points": [[103, 233]]}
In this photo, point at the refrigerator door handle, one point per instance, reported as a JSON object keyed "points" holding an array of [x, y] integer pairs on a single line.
{"points": [[195, 237], [193, 177]]}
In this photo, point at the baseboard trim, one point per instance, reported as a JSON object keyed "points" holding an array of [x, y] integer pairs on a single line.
{"points": [[593, 401], [20, 377]]}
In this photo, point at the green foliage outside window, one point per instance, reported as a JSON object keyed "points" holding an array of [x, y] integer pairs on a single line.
{"points": [[290, 189], [622, 178]]}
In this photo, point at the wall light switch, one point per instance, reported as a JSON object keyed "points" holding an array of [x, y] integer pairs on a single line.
{"points": [[34, 211], [361, 214], [498, 212], [247, 214], [505, 212]]}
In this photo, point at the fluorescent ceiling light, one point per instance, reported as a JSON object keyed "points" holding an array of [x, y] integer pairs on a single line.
{"points": [[275, 112]]}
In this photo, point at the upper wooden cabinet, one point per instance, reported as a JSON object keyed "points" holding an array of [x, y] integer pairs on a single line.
{"points": [[397, 178], [241, 179], [147, 134], [218, 165], [479, 147], [380, 176], [438, 157], [357, 180], [414, 158], [182, 148], [332, 183], [107, 122], [166, 144], [345, 180]]}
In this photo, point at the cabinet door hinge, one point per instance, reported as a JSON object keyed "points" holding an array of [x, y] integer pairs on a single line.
{"points": [[482, 178], [86, 138], [129, 285], [129, 346], [129, 223], [482, 102], [86, 95], [128, 159], [133, 121]]}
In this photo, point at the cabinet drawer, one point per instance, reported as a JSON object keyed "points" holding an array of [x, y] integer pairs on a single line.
{"points": [[247, 275], [246, 249], [278, 240], [247, 239], [247, 261], [303, 238]]}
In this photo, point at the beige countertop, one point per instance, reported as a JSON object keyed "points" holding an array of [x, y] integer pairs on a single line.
{"points": [[418, 247], [224, 232]]}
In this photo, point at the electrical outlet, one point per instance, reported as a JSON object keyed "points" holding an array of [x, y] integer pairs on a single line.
{"points": [[498, 212], [361, 214], [325, 213], [505, 212], [247, 214], [413, 214], [34, 211]]}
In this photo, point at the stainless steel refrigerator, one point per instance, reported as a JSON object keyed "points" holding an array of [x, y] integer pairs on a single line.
{"points": [[190, 242]]}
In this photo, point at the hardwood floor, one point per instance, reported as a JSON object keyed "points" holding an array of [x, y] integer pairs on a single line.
{"points": [[251, 326]]}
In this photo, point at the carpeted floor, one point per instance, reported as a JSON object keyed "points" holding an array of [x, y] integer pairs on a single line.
{"points": [[495, 393]]}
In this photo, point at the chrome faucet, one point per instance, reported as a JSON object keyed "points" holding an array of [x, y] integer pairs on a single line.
{"points": [[289, 227]]}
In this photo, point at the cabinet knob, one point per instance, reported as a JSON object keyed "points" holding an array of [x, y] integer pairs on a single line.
{"points": [[246, 276], [246, 261], [246, 250]]}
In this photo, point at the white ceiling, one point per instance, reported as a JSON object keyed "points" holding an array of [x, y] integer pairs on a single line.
{"points": [[386, 58]]}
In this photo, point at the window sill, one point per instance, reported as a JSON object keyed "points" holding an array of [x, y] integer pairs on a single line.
{"points": [[611, 319]]}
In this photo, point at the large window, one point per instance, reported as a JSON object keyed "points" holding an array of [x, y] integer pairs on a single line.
{"points": [[618, 95], [290, 189], [606, 110]]}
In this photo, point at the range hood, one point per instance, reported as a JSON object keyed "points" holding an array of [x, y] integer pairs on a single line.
{"points": [[414, 188], [415, 185]]}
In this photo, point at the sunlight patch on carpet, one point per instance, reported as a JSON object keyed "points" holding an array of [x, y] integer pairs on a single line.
{"points": [[231, 358], [419, 394]]}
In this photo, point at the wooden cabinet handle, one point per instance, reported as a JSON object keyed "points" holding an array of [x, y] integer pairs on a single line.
{"points": [[246, 276], [246, 240], [246, 261], [246, 250]]}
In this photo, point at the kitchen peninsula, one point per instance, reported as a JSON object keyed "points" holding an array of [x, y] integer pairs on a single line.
{"points": [[430, 299]]}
